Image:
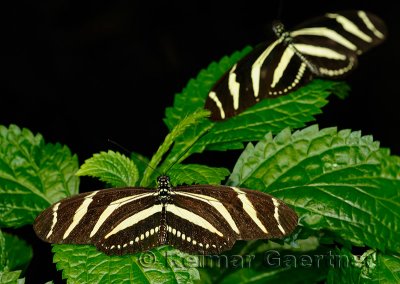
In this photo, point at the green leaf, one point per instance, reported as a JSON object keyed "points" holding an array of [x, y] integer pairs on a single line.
{"points": [[371, 267], [112, 168], [33, 175], [141, 162], [341, 91], [189, 142], [189, 121], [197, 174], [11, 277], [389, 164], [84, 264], [271, 115], [18, 251], [347, 271], [193, 95], [224, 146], [388, 268], [276, 264], [274, 275], [260, 260], [334, 180], [9, 258], [3, 252]]}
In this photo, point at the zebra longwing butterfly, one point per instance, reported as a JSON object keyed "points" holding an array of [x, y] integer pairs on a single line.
{"points": [[194, 219], [325, 46]]}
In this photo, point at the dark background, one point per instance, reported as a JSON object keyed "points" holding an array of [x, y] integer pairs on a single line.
{"points": [[83, 72]]}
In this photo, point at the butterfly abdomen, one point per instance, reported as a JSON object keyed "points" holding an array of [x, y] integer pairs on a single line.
{"points": [[162, 234]]}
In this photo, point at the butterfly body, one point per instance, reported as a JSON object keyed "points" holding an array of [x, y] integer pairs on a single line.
{"points": [[195, 219]]}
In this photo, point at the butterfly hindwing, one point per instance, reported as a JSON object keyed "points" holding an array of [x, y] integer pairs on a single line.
{"points": [[196, 234], [133, 232]]}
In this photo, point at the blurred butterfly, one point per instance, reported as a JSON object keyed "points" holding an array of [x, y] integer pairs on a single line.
{"points": [[326, 46]]}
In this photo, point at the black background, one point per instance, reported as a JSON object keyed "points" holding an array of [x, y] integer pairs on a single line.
{"points": [[83, 72]]}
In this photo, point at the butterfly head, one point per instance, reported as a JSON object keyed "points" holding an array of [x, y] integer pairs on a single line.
{"points": [[163, 181], [278, 28], [280, 31]]}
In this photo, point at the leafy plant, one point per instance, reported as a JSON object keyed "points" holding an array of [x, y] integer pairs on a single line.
{"points": [[33, 175], [15, 255], [343, 186]]}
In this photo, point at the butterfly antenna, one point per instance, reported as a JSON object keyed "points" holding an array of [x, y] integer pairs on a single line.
{"points": [[119, 146], [280, 9], [138, 158]]}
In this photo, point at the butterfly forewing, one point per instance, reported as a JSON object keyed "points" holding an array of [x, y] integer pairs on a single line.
{"points": [[356, 30], [332, 42], [232, 214], [326, 46], [89, 217]]}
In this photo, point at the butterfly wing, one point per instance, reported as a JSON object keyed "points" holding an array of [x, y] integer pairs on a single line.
{"points": [[269, 71], [201, 219], [332, 42], [214, 217], [117, 221]]}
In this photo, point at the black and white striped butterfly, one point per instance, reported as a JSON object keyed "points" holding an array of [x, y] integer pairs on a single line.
{"points": [[326, 46], [196, 219]]}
